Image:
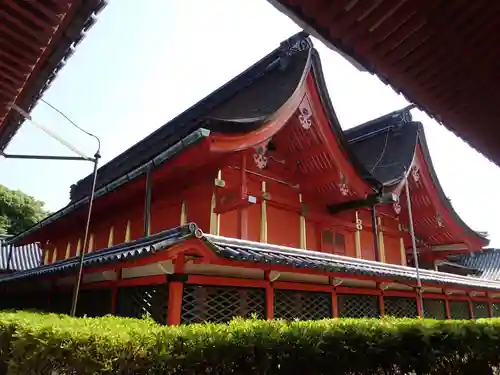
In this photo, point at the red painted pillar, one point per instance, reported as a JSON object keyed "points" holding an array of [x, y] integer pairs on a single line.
{"points": [[114, 290], [490, 305], [269, 298], [381, 306], [175, 290], [447, 308], [471, 309], [269, 302]]}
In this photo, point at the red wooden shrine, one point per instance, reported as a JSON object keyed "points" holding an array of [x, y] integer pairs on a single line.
{"points": [[295, 218]]}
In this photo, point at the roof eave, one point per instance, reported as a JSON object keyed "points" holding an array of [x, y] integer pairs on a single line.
{"points": [[62, 45]]}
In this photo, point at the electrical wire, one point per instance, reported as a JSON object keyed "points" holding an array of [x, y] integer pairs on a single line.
{"points": [[79, 279], [74, 124], [383, 151], [405, 109]]}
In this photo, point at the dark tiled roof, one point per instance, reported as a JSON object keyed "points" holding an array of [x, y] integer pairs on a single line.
{"points": [[257, 253], [487, 261], [247, 100], [386, 145], [19, 258], [130, 250], [163, 157]]}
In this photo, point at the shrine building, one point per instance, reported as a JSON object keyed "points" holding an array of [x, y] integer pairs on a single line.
{"points": [[255, 202]]}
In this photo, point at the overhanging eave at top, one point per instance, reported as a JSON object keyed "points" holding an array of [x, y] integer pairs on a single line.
{"points": [[439, 54], [36, 41]]}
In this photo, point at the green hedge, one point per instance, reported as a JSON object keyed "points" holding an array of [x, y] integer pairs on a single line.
{"points": [[33, 343]]}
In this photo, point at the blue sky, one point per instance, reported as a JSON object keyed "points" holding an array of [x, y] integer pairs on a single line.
{"points": [[141, 65]]}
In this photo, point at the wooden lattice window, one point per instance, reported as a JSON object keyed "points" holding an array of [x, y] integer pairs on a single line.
{"points": [[480, 310], [459, 310], [202, 303], [358, 306], [434, 309], [400, 307], [495, 310], [298, 305], [94, 302], [143, 301]]}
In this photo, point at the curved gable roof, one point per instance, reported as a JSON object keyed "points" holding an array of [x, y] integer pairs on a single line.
{"points": [[225, 105], [483, 237], [387, 147], [241, 105]]}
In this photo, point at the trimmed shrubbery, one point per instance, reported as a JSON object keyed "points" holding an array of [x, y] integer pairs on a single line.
{"points": [[33, 343]]}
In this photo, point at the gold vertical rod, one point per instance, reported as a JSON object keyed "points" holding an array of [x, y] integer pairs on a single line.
{"points": [[78, 247], [381, 246], [111, 236], [46, 257], [183, 220], [90, 247], [54, 255], [402, 249], [303, 232], [263, 215], [68, 250], [127, 231], [357, 236], [214, 216]]}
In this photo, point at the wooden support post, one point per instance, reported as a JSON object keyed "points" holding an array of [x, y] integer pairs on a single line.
{"points": [[46, 255], [175, 290], [490, 305], [68, 250], [376, 249], [419, 300], [269, 301], [78, 247], [111, 236], [381, 244], [263, 215], [147, 201], [114, 290], [214, 216], [183, 218], [381, 305], [243, 212], [302, 225], [402, 249], [471, 309], [357, 236], [447, 308]]}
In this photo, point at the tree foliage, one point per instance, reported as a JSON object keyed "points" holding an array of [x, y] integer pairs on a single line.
{"points": [[19, 211]]}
